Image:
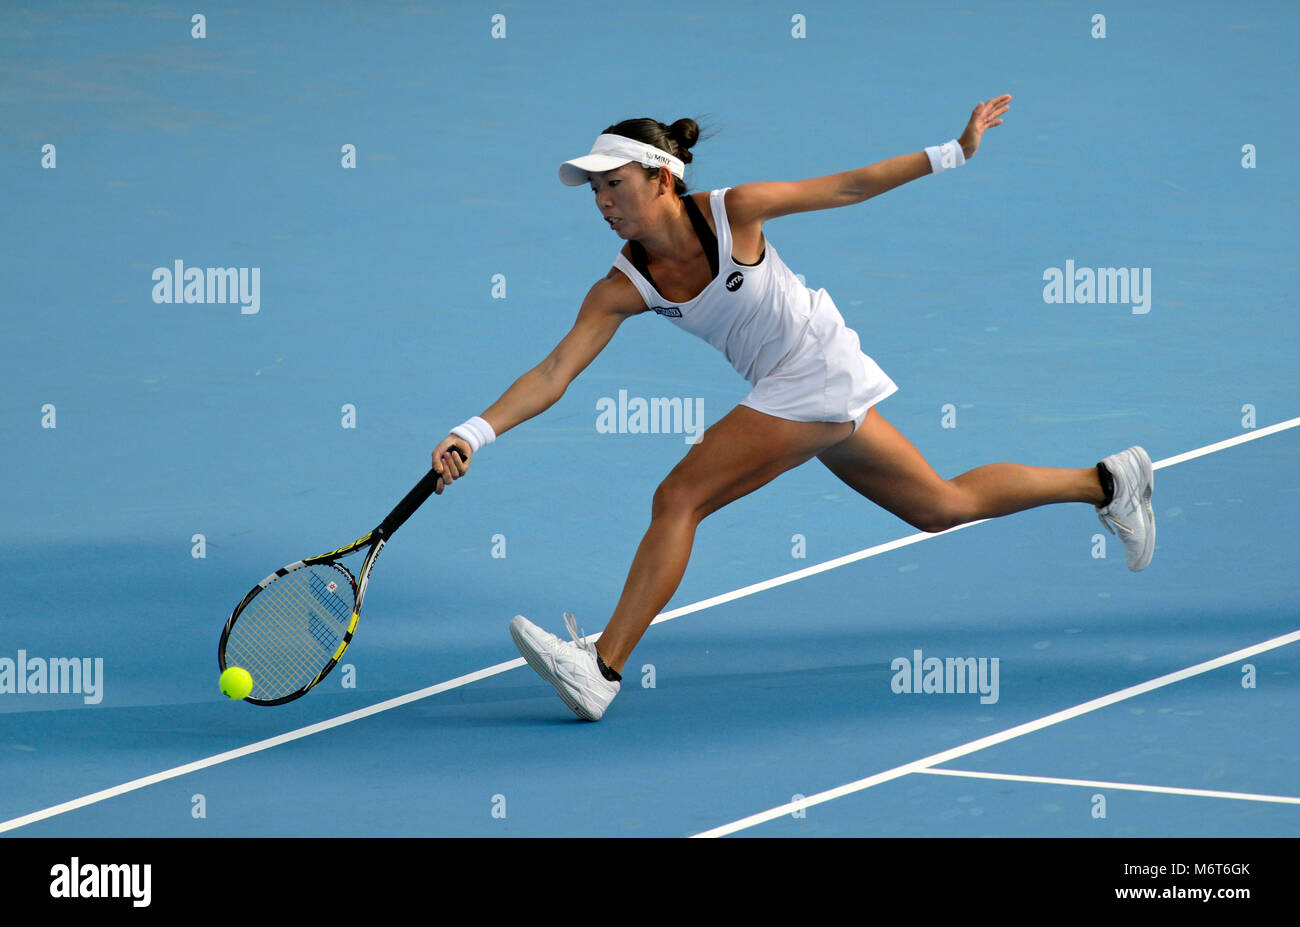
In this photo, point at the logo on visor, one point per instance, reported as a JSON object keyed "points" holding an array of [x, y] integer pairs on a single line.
{"points": [[735, 280]]}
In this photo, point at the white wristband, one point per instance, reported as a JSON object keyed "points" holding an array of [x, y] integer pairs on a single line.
{"points": [[946, 156], [477, 432]]}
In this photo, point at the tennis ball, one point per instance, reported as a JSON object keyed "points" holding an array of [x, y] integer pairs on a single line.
{"points": [[236, 683]]}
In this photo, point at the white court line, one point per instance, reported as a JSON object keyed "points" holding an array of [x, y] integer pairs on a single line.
{"points": [[921, 536], [261, 745], [1224, 445], [465, 680], [1116, 786], [992, 740]]}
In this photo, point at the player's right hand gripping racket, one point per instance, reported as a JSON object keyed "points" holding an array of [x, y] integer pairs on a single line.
{"points": [[292, 627]]}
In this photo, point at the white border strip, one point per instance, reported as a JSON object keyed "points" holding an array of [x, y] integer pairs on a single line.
{"points": [[1019, 730], [465, 680], [1114, 786]]}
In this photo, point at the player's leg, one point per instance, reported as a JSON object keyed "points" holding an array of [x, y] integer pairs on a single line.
{"points": [[881, 464], [743, 451]]}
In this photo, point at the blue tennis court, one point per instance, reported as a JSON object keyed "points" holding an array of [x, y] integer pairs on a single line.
{"points": [[383, 178]]}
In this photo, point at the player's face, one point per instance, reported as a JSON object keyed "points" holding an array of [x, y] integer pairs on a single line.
{"points": [[625, 197]]}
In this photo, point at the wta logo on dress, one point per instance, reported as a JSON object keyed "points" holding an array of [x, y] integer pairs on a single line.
{"points": [[735, 280]]}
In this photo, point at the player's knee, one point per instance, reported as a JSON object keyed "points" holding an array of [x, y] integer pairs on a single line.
{"points": [[946, 511], [674, 499], [933, 522]]}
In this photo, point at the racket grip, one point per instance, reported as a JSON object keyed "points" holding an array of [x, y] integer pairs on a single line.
{"points": [[412, 501]]}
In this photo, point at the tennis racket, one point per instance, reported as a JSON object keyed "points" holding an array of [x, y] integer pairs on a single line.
{"points": [[292, 627]]}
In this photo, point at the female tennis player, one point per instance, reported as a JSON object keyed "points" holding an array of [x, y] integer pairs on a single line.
{"points": [[702, 261]]}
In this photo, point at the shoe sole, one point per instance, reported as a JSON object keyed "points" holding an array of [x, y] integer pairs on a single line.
{"points": [[1148, 488], [543, 669]]}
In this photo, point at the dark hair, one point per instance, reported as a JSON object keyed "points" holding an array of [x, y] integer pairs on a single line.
{"points": [[676, 139]]}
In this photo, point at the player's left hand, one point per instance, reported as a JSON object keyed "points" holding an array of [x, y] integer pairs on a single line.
{"points": [[985, 115]]}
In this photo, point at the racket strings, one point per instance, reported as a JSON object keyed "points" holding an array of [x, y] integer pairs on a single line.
{"points": [[276, 638], [291, 629]]}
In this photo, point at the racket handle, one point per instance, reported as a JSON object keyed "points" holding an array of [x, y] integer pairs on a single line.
{"points": [[412, 501]]}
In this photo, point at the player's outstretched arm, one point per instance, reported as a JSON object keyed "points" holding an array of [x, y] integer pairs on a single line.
{"points": [[758, 202], [607, 304]]}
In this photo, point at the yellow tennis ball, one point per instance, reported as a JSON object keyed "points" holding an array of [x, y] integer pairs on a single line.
{"points": [[236, 683]]}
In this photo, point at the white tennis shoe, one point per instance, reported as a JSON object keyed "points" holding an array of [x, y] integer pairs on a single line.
{"points": [[569, 666], [1130, 514]]}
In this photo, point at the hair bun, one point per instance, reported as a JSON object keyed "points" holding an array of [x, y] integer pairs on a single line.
{"points": [[685, 132]]}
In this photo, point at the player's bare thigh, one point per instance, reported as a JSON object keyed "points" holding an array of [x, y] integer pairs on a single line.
{"points": [[881, 464], [741, 452]]}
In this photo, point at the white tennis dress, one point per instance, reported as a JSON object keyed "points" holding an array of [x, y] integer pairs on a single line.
{"points": [[788, 341]]}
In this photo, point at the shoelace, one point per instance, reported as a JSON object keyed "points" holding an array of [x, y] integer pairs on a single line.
{"points": [[580, 639], [1108, 520]]}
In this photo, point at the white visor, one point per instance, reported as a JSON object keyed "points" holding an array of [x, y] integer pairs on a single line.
{"points": [[611, 151]]}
